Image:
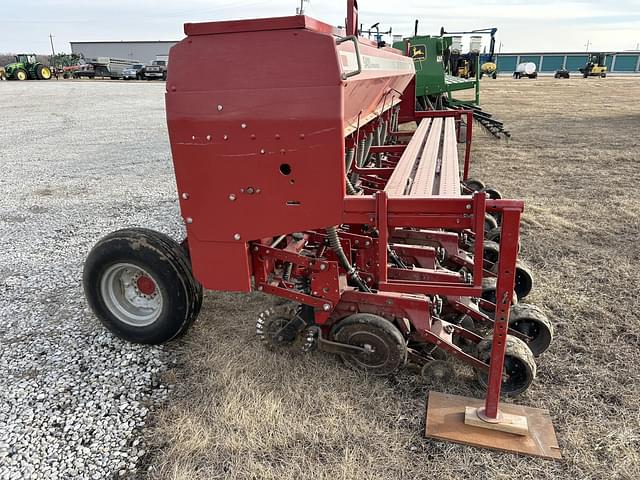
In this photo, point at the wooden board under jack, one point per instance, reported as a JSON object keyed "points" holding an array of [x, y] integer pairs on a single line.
{"points": [[445, 421]]}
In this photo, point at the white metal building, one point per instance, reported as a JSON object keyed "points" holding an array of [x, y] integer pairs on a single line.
{"points": [[143, 51]]}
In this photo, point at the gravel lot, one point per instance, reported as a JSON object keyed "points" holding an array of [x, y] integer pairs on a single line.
{"points": [[78, 160]]}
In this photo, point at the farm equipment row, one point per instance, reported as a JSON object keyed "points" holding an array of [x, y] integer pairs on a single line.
{"points": [[438, 76], [304, 181]]}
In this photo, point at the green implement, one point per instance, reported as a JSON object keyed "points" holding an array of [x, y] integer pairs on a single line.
{"points": [[440, 72]]}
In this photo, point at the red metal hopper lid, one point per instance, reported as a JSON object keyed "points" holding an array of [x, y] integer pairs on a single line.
{"points": [[260, 25]]}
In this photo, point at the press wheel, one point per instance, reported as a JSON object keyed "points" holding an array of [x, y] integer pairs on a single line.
{"points": [[490, 222], [532, 322], [494, 234], [492, 193], [475, 185], [524, 280], [489, 287], [491, 251], [519, 369], [386, 348]]}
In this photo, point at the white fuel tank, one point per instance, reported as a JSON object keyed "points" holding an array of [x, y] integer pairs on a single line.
{"points": [[526, 68]]}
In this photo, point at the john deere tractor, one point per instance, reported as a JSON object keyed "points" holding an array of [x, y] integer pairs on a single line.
{"points": [[27, 67]]}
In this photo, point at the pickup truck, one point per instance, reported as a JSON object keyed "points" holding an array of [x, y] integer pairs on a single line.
{"points": [[133, 72], [157, 70]]}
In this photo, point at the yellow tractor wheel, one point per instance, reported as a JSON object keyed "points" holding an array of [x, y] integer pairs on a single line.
{"points": [[45, 73], [21, 75]]}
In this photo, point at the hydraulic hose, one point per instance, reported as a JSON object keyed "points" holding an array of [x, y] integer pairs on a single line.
{"points": [[351, 190], [334, 243], [367, 147], [361, 149], [349, 159]]}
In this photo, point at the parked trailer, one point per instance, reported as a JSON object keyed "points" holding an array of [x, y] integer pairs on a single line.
{"points": [[526, 69], [369, 231], [109, 67]]}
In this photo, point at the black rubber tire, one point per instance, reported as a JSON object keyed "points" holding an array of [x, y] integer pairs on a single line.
{"points": [[524, 280], [603, 75], [490, 222], [519, 363], [491, 251], [40, 75], [164, 260], [493, 235], [17, 73], [180, 254], [349, 327], [493, 193], [530, 320], [489, 286], [475, 185]]}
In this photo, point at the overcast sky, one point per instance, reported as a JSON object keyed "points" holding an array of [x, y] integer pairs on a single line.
{"points": [[534, 25]]}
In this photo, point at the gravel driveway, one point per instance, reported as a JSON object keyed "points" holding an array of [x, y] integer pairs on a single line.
{"points": [[78, 159]]}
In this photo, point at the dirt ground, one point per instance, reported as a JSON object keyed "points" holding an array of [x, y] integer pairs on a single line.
{"points": [[239, 411]]}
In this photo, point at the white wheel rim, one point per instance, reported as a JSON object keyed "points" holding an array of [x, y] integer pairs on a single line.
{"points": [[123, 297]]}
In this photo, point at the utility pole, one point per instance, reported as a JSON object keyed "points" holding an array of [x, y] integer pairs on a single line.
{"points": [[53, 58], [587, 45], [500, 47], [300, 10]]}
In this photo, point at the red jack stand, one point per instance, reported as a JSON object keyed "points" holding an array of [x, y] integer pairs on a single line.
{"points": [[511, 428]]}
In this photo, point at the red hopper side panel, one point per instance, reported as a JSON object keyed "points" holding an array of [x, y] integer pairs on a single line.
{"points": [[256, 117]]}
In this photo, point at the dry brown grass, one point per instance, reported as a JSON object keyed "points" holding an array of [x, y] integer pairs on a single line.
{"points": [[241, 412]]}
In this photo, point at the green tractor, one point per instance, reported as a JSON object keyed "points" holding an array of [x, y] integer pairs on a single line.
{"points": [[27, 67]]}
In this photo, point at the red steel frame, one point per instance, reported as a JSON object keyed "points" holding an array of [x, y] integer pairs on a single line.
{"points": [[226, 134]]}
